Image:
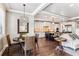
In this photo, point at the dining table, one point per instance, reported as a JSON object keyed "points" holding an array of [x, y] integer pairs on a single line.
{"points": [[20, 42]]}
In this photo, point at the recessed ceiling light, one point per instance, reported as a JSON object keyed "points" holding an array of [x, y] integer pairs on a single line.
{"points": [[71, 5]]}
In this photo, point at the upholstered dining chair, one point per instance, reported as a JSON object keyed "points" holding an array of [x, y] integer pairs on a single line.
{"points": [[8, 41], [10, 45], [36, 40], [29, 46]]}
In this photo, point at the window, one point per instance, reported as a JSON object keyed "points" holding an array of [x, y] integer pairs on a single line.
{"points": [[0, 24]]}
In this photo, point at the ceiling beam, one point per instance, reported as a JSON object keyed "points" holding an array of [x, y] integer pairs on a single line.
{"points": [[42, 6]]}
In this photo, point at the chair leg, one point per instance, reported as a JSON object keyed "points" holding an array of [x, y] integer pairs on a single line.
{"points": [[8, 51], [25, 52], [38, 46]]}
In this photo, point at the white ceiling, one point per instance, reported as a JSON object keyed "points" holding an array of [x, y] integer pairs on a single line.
{"points": [[64, 9], [30, 8]]}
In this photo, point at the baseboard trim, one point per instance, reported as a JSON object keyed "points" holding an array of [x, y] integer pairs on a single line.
{"points": [[1, 52]]}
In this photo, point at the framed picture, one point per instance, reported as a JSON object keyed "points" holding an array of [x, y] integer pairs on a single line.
{"points": [[23, 26], [68, 28]]}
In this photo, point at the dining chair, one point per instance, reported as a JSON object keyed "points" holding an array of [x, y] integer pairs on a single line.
{"points": [[8, 41], [36, 40], [10, 45], [29, 46]]}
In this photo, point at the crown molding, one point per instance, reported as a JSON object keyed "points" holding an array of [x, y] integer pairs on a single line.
{"points": [[21, 12]]}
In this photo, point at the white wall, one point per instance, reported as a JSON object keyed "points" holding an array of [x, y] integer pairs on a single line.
{"points": [[31, 25], [2, 36], [12, 24]]}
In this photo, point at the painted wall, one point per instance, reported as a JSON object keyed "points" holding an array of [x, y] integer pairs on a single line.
{"points": [[3, 41], [12, 24], [31, 26]]}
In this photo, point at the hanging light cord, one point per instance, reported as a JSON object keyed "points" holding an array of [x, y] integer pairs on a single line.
{"points": [[24, 9]]}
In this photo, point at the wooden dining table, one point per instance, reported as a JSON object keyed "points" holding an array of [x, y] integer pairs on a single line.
{"points": [[20, 42]]}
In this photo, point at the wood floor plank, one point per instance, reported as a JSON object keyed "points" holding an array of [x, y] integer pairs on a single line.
{"points": [[46, 48]]}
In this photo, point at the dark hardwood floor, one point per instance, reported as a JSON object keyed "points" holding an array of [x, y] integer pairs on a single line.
{"points": [[46, 48]]}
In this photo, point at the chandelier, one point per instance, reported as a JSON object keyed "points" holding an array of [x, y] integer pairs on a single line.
{"points": [[24, 18]]}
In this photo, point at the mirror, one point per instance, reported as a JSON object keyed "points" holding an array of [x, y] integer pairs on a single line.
{"points": [[23, 26]]}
